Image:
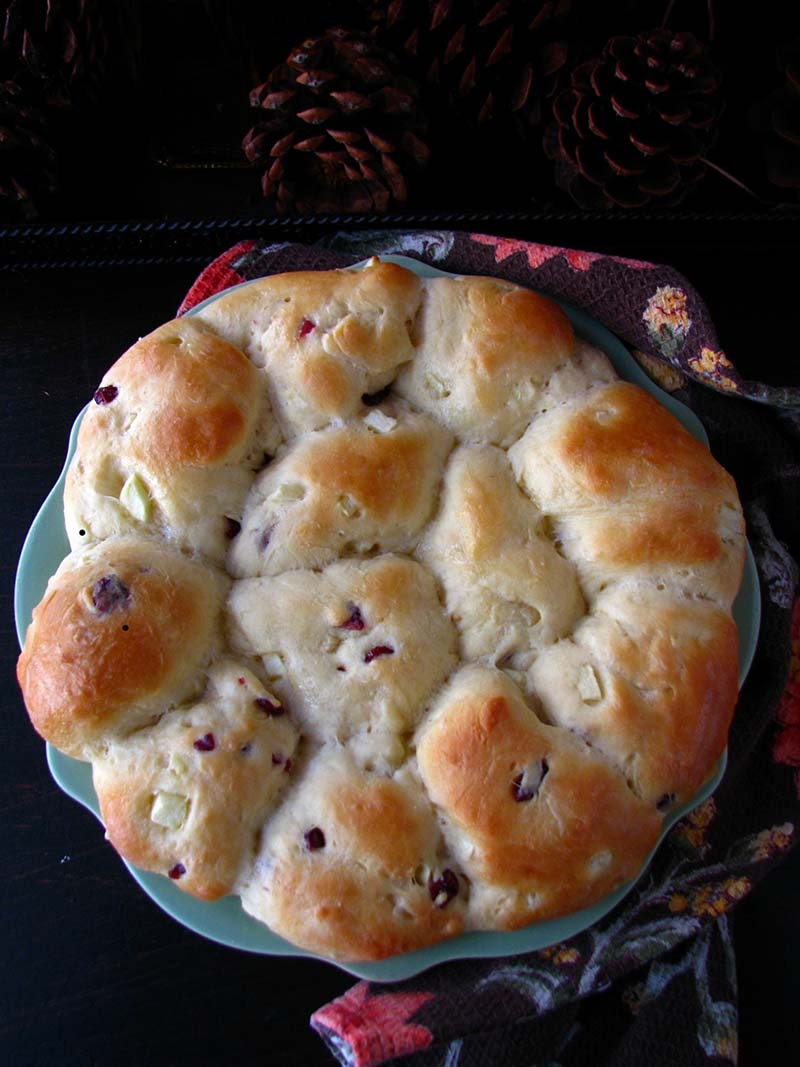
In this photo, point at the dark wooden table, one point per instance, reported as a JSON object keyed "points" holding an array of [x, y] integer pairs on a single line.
{"points": [[92, 971]]}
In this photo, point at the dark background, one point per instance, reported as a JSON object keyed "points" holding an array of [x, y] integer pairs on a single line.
{"points": [[92, 971], [157, 130]]}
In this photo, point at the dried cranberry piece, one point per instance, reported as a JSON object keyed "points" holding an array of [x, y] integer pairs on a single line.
{"points": [[378, 650], [665, 801], [277, 759], [306, 326], [314, 839], [105, 394], [527, 784], [287, 766], [355, 621], [207, 743], [442, 890], [232, 527], [177, 871], [109, 593], [265, 705]]}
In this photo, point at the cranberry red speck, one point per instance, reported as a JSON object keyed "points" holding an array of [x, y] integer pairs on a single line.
{"points": [[105, 394], [109, 593], [306, 326], [177, 871], [268, 707], [378, 650], [314, 839], [355, 620], [207, 743], [442, 890]]}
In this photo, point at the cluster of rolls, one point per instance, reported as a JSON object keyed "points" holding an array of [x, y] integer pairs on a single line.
{"points": [[390, 609]]}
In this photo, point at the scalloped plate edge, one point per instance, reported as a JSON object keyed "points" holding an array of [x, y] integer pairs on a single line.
{"points": [[224, 921]]}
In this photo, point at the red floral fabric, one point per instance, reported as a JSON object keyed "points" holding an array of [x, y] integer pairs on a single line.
{"points": [[375, 1027]]}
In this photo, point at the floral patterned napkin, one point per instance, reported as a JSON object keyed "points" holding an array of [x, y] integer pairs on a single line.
{"points": [[654, 981]]}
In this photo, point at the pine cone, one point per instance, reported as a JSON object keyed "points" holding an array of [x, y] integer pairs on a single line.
{"points": [[338, 127], [636, 122], [67, 44], [27, 175], [490, 58]]}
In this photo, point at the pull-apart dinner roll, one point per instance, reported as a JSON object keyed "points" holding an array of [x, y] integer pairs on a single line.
{"points": [[124, 632], [170, 442]]}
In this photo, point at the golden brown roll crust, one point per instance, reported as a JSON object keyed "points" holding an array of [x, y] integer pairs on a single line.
{"points": [[123, 632], [170, 442], [187, 796], [343, 491], [350, 866], [540, 824], [485, 348], [324, 338], [700, 550], [649, 681], [478, 639], [608, 468], [615, 444]]}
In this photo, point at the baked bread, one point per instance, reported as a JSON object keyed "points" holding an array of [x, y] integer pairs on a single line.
{"points": [[389, 609]]}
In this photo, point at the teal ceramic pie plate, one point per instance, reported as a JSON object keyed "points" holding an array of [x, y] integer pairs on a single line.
{"points": [[224, 920]]}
